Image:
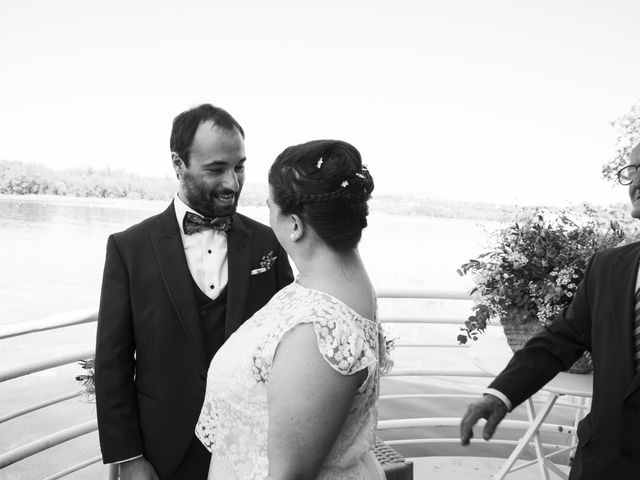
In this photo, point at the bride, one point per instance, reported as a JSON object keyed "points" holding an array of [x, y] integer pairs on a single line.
{"points": [[291, 394]]}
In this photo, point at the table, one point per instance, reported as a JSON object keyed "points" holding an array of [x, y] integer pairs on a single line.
{"points": [[492, 354]]}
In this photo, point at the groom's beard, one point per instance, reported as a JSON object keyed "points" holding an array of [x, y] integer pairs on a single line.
{"points": [[217, 202]]}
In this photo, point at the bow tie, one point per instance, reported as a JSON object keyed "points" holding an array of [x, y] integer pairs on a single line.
{"points": [[192, 223]]}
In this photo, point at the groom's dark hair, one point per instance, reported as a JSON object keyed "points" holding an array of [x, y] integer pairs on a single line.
{"points": [[185, 126]]}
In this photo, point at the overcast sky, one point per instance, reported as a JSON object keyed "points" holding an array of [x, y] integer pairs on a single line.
{"points": [[506, 101]]}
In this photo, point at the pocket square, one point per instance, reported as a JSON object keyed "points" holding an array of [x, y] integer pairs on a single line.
{"points": [[256, 271]]}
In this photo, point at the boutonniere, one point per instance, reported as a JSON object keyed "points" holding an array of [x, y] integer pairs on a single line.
{"points": [[266, 263]]}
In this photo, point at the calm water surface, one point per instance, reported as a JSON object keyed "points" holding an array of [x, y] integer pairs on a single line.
{"points": [[52, 250], [51, 258]]}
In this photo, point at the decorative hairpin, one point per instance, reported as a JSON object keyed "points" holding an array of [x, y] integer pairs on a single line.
{"points": [[344, 184], [360, 175], [319, 164]]}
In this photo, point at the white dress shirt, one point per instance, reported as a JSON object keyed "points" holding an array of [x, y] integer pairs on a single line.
{"points": [[206, 253], [503, 397]]}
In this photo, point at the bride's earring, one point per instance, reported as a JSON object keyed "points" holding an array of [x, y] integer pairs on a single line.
{"points": [[293, 235]]}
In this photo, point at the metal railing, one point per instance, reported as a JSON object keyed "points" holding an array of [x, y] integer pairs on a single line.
{"points": [[87, 316]]}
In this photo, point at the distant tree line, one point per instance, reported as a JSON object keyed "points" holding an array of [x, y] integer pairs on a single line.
{"points": [[441, 208], [28, 178], [20, 178]]}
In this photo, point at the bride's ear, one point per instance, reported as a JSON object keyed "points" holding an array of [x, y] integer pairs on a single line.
{"points": [[297, 228]]}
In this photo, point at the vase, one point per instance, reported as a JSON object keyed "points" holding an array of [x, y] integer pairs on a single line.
{"points": [[518, 334]]}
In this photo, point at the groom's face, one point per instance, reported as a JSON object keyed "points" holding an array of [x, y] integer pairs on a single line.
{"points": [[212, 181]]}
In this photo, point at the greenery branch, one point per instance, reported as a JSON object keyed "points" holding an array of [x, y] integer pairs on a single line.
{"points": [[87, 379]]}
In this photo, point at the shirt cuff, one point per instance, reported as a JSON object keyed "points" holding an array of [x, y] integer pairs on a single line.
{"points": [[501, 396], [127, 460]]}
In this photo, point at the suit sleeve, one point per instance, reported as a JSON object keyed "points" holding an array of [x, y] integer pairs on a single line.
{"points": [[116, 403], [552, 351], [284, 272]]}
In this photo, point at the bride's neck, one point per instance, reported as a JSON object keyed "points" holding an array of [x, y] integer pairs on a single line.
{"points": [[326, 267]]}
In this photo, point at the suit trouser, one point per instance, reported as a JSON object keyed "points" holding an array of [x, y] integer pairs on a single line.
{"points": [[194, 464]]}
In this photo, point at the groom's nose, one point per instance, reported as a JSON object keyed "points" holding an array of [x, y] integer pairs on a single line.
{"points": [[231, 182]]}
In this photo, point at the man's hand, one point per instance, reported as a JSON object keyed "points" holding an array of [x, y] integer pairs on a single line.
{"points": [[138, 469], [491, 408]]}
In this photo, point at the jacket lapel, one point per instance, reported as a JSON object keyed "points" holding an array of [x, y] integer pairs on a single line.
{"points": [[169, 250], [239, 262]]}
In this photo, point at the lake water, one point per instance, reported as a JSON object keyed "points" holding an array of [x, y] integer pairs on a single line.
{"points": [[52, 253], [51, 258], [52, 250]]}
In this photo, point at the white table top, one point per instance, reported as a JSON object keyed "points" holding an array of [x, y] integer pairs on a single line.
{"points": [[492, 354]]}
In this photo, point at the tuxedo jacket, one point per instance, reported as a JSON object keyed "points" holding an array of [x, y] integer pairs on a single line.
{"points": [[600, 319], [151, 361]]}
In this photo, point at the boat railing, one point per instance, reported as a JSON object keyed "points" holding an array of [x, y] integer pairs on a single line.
{"points": [[385, 426]]}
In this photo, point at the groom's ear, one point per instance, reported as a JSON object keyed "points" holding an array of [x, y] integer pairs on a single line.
{"points": [[178, 164]]}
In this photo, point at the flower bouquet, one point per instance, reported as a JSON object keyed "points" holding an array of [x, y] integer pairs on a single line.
{"points": [[533, 270]]}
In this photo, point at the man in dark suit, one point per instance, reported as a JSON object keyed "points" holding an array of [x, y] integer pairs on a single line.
{"points": [[175, 286], [603, 318]]}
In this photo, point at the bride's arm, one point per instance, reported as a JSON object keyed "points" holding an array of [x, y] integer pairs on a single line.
{"points": [[308, 404]]}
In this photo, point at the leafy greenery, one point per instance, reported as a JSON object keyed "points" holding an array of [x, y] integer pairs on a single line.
{"points": [[628, 128], [87, 380], [535, 265]]}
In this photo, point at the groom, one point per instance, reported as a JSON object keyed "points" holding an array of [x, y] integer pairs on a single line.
{"points": [[175, 286], [603, 318]]}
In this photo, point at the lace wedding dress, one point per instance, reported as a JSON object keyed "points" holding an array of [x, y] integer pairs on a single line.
{"points": [[234, 418]]}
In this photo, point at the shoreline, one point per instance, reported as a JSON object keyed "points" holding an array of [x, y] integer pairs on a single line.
{"points": [[391, 207], [84, 201], [247, 209]]}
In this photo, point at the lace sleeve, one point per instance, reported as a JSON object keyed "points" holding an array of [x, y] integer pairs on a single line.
{"points": [[347, 344]]}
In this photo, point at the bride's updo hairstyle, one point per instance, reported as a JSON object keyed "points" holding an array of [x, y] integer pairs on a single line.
{"points": [[326, 184]]}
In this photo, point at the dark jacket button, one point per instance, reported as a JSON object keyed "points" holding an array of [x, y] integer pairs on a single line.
{"points": [[631, 406], [626, 454], [203, 376]]}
